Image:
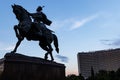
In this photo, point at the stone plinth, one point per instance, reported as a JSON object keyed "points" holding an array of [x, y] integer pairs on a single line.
{"points": [[21, 67]]}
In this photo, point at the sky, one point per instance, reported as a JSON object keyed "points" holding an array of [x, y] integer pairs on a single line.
{"points": [[80, 25]]}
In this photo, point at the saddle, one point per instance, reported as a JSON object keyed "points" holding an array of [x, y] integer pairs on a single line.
{"points": [[39, 29]]}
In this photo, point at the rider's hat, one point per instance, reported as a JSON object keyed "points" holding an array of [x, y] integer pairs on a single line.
{"points": [[39, 8]]}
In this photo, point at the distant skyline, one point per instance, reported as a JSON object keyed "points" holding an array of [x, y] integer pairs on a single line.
{"points": [[81, 26], [108, 60]]}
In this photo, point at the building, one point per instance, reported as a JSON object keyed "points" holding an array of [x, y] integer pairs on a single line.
{"points": [[98, 60], [1, 64]]}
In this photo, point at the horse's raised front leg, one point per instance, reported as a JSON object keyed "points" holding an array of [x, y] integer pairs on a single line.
{"points": [[17, 32], [20, 38]]}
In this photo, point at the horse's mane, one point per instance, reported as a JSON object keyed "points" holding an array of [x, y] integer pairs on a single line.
{"points": [[22, 9], [22, 13]]}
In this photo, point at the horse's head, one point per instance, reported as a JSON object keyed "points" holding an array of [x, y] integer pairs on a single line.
{"points": [[17, 11], [20, 12]]}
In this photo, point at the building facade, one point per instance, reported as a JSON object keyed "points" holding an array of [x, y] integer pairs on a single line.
{"points": [[1, 65], [98, 60]]}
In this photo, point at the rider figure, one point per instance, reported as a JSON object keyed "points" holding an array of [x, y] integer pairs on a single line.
{"points": [[40, 18]]}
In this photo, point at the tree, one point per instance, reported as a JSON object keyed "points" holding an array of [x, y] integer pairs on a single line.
{"points": [[74, 77]]}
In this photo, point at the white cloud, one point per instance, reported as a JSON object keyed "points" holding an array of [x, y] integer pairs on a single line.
{"points": [[4, 47], [79, 23], [114, 42], [72, 23], [9, 48], [60, 24]]}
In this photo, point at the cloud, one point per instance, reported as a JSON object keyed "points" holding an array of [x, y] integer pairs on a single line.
{"points": [[115, 42], [5, 47], [9, 48], [106, 42], [73, 23], [61, 24], [62, 58], [82, 22]]}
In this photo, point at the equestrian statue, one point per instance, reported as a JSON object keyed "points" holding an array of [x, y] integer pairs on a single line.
{"points": [[35, 30]]}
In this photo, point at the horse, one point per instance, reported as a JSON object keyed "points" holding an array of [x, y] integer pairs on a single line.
{"points": [[26, 29]]}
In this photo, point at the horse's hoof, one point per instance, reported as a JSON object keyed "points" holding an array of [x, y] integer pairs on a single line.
{"points": [[52, 60], [45, 58], [12, 52]]}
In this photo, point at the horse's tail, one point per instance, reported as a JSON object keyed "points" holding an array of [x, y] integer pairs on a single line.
{"points": [[56, 42]]}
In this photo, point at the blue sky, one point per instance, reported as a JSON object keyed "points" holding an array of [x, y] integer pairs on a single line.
{"points": [[81, 26]]}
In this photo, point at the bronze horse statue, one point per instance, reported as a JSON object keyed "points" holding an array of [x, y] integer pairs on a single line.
{"points": [[26, 29]]}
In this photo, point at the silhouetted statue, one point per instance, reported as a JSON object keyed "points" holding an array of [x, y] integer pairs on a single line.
{"points": [[41, 20], [40, 16], [29, 30]]}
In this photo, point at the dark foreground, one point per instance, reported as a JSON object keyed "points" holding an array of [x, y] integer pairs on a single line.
{"points": [[21, 67]]}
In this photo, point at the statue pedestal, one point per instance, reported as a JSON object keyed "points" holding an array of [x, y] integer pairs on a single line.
{"points": [[21, 67]]}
